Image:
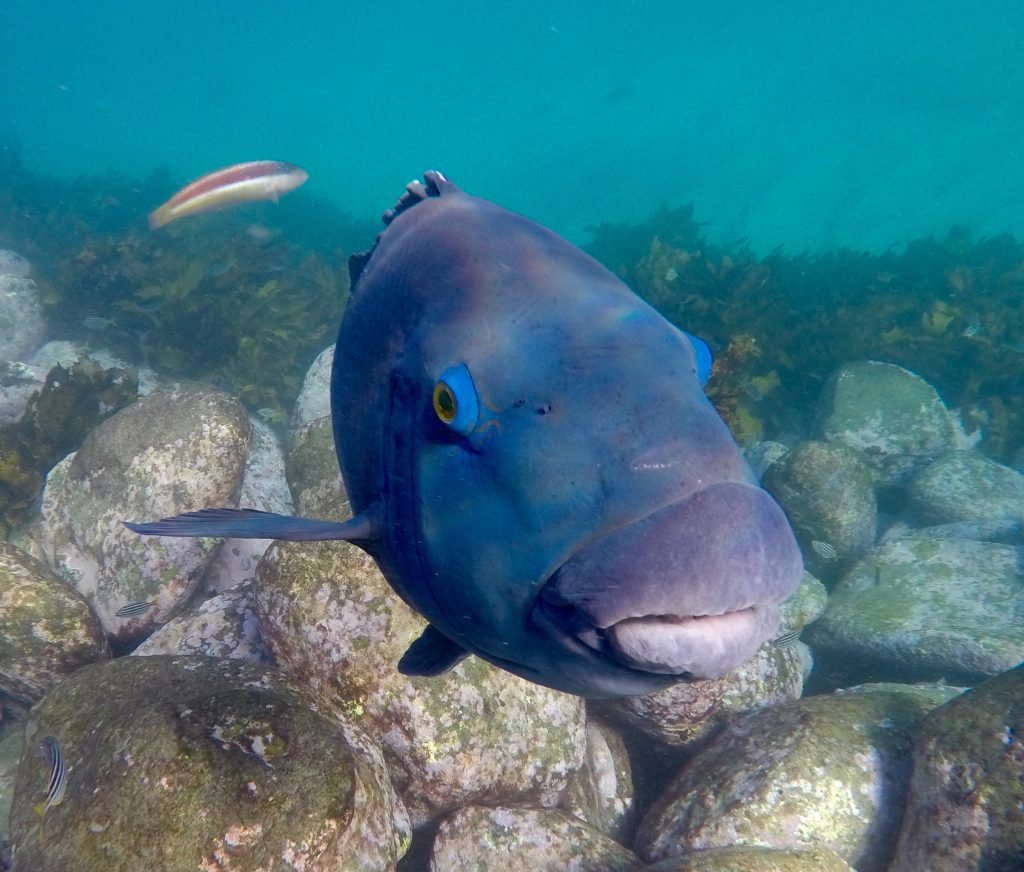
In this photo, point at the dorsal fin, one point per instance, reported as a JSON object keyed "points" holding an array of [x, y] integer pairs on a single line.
{"points": [[434, 184]]}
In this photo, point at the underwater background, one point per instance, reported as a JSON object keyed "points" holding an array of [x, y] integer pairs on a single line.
{"points": [[805, 186]]}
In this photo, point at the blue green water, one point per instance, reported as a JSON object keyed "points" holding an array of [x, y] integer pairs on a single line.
{"points": [[805, 124]]}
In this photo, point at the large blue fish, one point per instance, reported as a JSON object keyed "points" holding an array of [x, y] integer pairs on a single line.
{"points": [[533, 463]]}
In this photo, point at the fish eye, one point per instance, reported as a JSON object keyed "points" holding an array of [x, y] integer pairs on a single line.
{"points": [[455, 399]]}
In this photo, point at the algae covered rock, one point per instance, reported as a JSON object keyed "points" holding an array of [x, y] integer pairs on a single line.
{"points": [[966, 486], [22, 326], [189, 763], [46, 628], [311, 462], [966, 805], [525, 840], [601, 791], [181, 448], [753, 860], [264, 487], [893, 417], [827, 492], [828, 772], [476, 732], [925, 606], [222, 626]]}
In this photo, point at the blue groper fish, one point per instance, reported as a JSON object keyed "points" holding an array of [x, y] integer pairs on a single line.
{"points": [[533, 463]]}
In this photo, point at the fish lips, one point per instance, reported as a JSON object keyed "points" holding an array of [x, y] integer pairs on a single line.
{"points": [[689, 590]]}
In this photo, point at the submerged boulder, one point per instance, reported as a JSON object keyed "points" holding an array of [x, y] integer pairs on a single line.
{"points": [[827, 492], [827, 772], [46, 628], [185, 763], [966, 486], [966, 806], [181, 448], [525, 840], [929, 607], [472, 734], [894, 418]]}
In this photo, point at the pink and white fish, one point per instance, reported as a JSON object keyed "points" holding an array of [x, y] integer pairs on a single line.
{"points": [[240, 183]]}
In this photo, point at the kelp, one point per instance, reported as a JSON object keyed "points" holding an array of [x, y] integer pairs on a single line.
{"points": [[230, 298], [949, 309], [56, 420]]}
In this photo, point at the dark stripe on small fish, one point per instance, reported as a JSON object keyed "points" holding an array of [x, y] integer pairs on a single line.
{"points": [[825, 549], [787, 638], [58, 782], [241, 172], [133, 610]]}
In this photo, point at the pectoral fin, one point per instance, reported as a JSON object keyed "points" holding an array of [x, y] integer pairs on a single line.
{"points": [[251, 524], [431, 654]]}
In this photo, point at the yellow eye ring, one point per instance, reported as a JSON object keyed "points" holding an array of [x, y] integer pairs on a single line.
{"points": [[444, 403]]}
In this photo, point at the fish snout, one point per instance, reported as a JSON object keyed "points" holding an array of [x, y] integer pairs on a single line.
{"points": [[690, 589]]}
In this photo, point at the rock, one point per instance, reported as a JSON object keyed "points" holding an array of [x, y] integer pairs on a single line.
{"points": [[601, 791], [195, 763], [827, 772], [263, 487], [18, 381], [936, 607], [762, 455], [525, 840], [13, 264], [22, 326], [313, 473], [690, 711], [46, 628], [753, 860], [893, 417], [181, 448], [223, 626], [828, 495], [474, 733], [966, 805], [314, 400], [965, 486], [12, 745]]}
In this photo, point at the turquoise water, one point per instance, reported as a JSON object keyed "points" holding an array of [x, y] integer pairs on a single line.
{"points": [[802, 124]]}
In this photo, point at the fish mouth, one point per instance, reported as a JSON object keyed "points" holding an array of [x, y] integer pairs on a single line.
{"points": [[689, 590]]}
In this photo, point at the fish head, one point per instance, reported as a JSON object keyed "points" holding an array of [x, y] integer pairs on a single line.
{"points": [[564, 500]]}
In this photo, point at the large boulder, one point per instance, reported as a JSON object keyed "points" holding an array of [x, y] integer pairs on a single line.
{"points": [[827, 492], [966, 486], [181, 448], [893, 417], [475, 733], [222, 626], [966, 806], [525, 840], [264, 487], [22, 327], [827, 772], [927, 607], [46, 628], [195, 763]]}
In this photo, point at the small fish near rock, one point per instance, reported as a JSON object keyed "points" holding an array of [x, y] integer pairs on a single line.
{"points": [[533, 462]]}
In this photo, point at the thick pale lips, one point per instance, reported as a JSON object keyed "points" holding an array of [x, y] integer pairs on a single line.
{"points": [[691, 588]]}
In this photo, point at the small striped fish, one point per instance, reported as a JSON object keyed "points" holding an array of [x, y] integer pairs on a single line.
{"points": [[58, 782], [824, 549], [240, 183], [133, 610], [787, 638]]}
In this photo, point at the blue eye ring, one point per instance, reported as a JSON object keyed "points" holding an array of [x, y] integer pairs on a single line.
{"points": [[455, 400]]}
